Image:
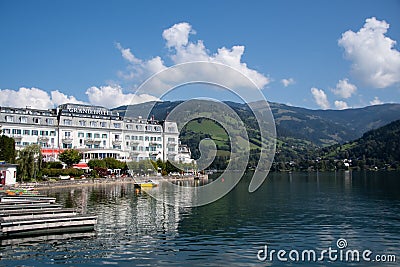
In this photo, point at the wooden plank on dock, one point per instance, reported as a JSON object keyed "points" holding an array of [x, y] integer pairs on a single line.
{"points": [[29, 206], [73, 233], [25, 202], [47, 223], [26, 197], [36, 214]]}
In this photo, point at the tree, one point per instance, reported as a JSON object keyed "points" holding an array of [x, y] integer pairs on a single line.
{"points": [[112, 163], [30, 162], [97, 163], [70, 157], [7, 149]]}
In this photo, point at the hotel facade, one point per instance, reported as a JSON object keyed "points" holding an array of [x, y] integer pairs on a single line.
{"points": [[95, 131]]}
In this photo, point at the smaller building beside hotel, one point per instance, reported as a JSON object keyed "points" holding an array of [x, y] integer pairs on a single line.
{"points": [[8, 173]]}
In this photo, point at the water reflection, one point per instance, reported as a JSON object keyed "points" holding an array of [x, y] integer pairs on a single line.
{"points": [[291, 210]]}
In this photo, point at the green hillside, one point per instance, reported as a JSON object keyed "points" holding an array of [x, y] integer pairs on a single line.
{"points": [[379, 147]]}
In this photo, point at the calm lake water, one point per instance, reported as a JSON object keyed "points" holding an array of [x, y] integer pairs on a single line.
{"points": [[297, 211]]}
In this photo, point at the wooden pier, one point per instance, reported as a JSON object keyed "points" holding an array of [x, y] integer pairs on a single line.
{"points": [[38, 215]]}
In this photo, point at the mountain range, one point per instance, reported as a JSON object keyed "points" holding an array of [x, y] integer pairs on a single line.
{"points": [[319, 127]]}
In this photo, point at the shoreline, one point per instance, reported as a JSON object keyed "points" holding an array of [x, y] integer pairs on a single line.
{"points": [[91, 182]]}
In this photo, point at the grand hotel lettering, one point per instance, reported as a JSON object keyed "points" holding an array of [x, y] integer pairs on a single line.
{"points": [[89, 111]]}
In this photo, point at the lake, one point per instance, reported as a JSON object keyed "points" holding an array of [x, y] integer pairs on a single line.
{"points": [[291, 212]]}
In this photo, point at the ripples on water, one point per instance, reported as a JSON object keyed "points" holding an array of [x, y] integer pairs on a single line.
{"points": [[290, 211]]}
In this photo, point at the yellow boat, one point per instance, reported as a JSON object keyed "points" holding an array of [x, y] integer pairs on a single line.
{"points": [[148, 183]]}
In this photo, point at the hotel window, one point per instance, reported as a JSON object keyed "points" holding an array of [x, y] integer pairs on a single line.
{"points": [[141, 138], [80, 134], [171, 129], [117, 125], [171, 139], [23, 119], [67, 145], [127, 137], [67, 134], [88, 135], [36, 120], [44, 133], [93, 124], [159, 138], [104, 143], [129, 126], [50, 121], [96, 135], [16, 131], [67, 122], [104, 136], [9, 119], [26, 132], [146, 138], [103, 124], [52, 133], [25, 143], [6, 131], [82, 123], [139, 127], [116, 137], [35, 132]]}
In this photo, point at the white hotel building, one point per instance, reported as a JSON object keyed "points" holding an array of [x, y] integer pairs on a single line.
{"points": [[95, 131]]}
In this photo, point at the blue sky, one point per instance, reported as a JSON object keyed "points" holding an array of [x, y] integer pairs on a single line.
{"points": [[98, 51]]}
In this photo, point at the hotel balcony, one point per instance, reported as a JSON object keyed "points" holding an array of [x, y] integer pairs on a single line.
{"points": [[43, 139], [134, 143], [153, 143], [116, 142], [91, 141], [172, 143], [67, 140], [17, 137]]}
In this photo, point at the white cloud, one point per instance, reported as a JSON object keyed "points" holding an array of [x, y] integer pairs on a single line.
{"points": [[139, 69], [178, 35], [375, 61], [344, 89], [113, 96], [59, 98], [127, 54], [287, 82], [182, 50], [376, 101], [341, 104], [320, 98], [34, 98]]}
